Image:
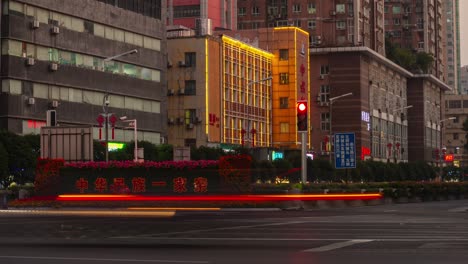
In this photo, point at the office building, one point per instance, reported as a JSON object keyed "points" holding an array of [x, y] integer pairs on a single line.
{"points": [[68, 55]]}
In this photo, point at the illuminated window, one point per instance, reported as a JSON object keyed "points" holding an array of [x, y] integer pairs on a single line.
{"points": [[284, 127], [396, 9], [311, 8], [284, 78], [190, 115]]}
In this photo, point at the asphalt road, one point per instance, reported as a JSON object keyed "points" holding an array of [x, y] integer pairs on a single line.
{"points": [[427, 233]]}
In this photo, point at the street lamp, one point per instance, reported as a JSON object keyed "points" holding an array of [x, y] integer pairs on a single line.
{"points": [[439, 178], [401, 129], [331, 100], [106, 101], [252, 130], [132, 124]]}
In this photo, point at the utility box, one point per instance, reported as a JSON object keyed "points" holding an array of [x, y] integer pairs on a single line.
{"points": [[68, 143]]}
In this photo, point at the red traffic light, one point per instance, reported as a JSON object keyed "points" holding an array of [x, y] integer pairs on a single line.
{"points": [[301, 107]]}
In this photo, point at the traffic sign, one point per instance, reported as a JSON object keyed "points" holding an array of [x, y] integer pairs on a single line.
{"points": [[345, 150]]}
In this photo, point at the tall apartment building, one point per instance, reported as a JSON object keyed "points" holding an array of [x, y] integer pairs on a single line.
{"points": [[53, 57], [214, 97], [419, 25], [453, 45], [464, 79], [330, 23], [207, 14]]}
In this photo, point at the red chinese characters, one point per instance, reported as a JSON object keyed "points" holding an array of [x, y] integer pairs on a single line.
{"points": [[100, 184], [180, 185], [119, 186], [81, 185], [138, 184], [200, 184]]}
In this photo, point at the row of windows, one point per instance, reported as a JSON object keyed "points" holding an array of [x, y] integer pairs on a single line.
{"points": [[186, 11], [60, 93], [26, 50], [457, 104], [80, 25], [150, 8]]}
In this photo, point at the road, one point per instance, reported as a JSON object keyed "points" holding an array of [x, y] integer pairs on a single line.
{"points": [[435, 232]]}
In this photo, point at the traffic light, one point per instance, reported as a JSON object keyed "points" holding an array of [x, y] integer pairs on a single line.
{"points": [[301, 109]]}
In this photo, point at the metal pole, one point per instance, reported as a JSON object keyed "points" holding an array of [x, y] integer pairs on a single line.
{"points": [[330, 140], [136, 141], [304, 157], [106, 125]]}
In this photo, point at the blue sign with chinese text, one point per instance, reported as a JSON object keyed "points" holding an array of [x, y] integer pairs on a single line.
{"points": [[345, 150]]}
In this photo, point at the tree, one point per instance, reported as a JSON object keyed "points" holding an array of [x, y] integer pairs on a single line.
{"points": [[424, 61], [22, 156]]}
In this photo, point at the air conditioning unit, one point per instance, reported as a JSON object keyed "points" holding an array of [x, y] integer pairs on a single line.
{"points": [[54, 66], [31, 101], [190, 126], [180, 120], [182, 64], [54, 103], [170, 92], [55, 30], [30, 61], [322, 77], [35, 24], [181, 91], [170, 120], [332, 13]]}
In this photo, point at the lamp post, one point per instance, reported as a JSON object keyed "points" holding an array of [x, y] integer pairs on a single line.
{"points": [[132, 124], [394, 125], [332, 100], [439, 178], [106, 101]]}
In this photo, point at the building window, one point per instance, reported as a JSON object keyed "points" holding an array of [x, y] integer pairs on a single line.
{"points": [[284, 54], [456, 120], [284, 78], [186, 11], [455, 104], [324, 93], [190, 142], [255, 25], [396, 9], [311, 8], [340, 8], [284, 127], [396, 21], [341, 25], [311, 24], [296, 8], [190, 87], [255, 11], [325, 121], [190, 59], [190, 116], [420, 45], [324, 69], [455, 136], [241, 11], [386, 9], [284, 102]]}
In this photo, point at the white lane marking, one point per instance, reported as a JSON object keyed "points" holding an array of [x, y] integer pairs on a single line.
{"points": [[215, 229], [338, 245], [107, 260], [459, 210], [422, 239]]}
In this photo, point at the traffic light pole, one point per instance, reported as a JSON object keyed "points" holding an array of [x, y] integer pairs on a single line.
{"points": [[303, 157]]}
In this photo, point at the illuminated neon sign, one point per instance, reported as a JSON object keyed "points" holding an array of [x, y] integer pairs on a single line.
{"points": [[114, 146]]}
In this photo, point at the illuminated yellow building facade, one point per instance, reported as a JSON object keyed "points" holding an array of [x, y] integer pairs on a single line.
{"points": [[216, 96], [290, 77]]}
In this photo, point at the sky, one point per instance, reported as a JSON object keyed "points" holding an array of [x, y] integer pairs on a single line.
{"points": [[464, 31]]}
